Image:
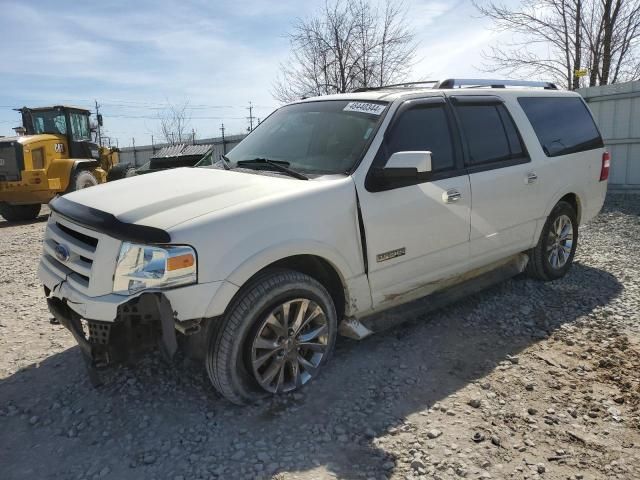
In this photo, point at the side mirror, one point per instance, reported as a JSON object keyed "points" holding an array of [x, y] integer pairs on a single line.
{"points": [[403, 167], [420, 161]]}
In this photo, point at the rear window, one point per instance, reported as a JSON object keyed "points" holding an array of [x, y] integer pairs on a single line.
{"points": [[490, 133], [563, 124]]}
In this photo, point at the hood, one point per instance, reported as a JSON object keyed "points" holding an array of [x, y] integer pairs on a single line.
{"points": [[165, 199]]}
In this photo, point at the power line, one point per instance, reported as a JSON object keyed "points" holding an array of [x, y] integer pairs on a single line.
{"points": [[156, 106], [149, 117]]}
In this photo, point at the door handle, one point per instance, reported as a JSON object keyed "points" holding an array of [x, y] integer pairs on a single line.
{"points": [[532, 177], [452, 195]]}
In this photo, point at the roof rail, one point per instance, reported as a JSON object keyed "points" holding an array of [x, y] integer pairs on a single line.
{"points": [[484, 82], [395, 85]]}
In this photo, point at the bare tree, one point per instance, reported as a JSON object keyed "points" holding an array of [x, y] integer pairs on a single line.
{"points": [[348, 44], [175, 124], [558, 38]]}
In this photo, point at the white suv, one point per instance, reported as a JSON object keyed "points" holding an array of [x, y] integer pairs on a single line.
{"points": [[332, 210]]}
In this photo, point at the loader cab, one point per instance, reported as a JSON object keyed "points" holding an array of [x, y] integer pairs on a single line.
{"points": [[70, 122]]}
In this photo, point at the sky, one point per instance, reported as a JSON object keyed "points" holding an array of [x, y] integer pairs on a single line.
{"points": [[135, 57]]}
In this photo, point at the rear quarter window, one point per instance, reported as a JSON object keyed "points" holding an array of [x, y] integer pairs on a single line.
{"points": [[563, 125]]}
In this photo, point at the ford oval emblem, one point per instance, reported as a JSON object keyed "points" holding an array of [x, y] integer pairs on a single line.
{"points": [[62, 253]]}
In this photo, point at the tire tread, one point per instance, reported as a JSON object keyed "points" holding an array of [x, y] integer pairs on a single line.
{"points": [[535, 266], [220, 353]]}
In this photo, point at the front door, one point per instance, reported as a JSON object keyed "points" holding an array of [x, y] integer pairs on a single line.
{"points": [[417, 234], [80, 144]]}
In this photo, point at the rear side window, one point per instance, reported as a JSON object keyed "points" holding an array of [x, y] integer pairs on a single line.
{"points": [[490, 133], [563, 124], [424, 128]]}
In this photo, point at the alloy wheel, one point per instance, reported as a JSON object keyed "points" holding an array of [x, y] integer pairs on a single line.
{"points": [[560, 242], [290, 345]]}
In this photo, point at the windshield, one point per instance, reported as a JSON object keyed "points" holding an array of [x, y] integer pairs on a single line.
{"points": [[49, 121], [324, 137]]}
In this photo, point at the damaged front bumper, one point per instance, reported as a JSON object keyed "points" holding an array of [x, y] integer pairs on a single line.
{"points": [[143, 324]]}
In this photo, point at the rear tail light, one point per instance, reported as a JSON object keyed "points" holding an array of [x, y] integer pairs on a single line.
{"points": [[606, 163]]}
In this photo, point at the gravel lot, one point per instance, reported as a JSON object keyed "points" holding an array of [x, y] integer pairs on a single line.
{"points": [[526, 380]]}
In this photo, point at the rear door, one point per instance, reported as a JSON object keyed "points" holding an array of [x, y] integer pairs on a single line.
{"points": [[418, 232], [504, 184]]}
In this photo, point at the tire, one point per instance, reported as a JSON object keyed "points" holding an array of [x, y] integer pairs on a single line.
{"points": [[543, 264], [239, 364], [120, 171], [19, 213], [82, 179]]}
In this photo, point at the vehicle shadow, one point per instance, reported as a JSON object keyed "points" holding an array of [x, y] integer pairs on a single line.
{"points": [[159, 421]]}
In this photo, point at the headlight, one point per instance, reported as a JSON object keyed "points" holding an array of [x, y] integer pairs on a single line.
{"points": [[141, 267]]}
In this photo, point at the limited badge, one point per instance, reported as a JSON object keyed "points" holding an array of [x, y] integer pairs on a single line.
{"points": [[365, 107]]}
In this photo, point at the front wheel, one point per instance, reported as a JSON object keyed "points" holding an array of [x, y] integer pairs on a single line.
{"points": [[275, 337], [552, 257], [82, 179], [120, 171]]}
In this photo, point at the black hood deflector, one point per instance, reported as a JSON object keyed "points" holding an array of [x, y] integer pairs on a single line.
{"points": [[108, 223]]}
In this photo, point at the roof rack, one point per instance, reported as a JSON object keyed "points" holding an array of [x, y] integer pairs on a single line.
{"points": [[484, 82], [396, 85]]}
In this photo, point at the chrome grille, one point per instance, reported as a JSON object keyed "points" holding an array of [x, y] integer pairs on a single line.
{"points": [[81, 249], [89, 259]]}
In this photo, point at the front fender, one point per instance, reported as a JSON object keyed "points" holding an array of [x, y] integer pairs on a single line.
{"points": [[249, 267]]}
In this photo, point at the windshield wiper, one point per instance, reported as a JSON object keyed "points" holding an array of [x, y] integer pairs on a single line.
{"points": [[277, 164]]}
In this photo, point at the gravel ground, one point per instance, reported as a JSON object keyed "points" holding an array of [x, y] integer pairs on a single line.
{"points": [[525, 380]]}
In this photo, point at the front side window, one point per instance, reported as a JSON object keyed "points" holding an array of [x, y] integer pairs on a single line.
{"points": [[80, 127], [49, 122], [563, 125], [323, 137], [490, 133], [424, 128]]}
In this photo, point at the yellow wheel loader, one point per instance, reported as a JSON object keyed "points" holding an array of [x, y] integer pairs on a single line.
{"points": [[56, 155]]}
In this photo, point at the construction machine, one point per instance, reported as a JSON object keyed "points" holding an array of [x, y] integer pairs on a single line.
{"points": [[53, 154]]}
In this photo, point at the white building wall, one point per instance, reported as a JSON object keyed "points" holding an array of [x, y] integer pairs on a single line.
{"points": [[616, 109]]}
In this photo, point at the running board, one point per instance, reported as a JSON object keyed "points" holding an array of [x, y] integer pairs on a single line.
{"points": [[453, 289]]}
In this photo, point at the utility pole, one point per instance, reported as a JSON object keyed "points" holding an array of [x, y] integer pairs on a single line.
{"points": [[224, 145], [250, 117], [99, 120], [135, 157], [193, 137]]}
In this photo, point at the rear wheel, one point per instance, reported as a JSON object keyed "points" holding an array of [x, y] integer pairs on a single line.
{"points": [[120, 171], [275, 337], [19, 213], [82, 179], [552, 257]]}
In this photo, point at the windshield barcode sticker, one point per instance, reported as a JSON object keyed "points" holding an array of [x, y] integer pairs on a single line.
{"points": [[364, 107]]}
